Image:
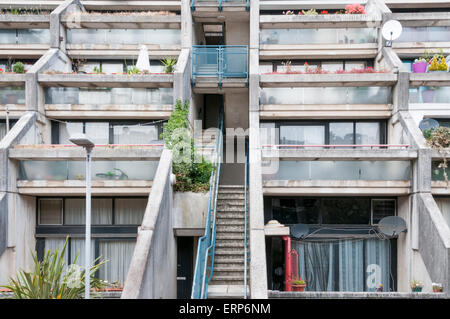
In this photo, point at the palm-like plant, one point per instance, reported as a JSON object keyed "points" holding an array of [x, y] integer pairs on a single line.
{"points": [[51, 279], [169, 64]]}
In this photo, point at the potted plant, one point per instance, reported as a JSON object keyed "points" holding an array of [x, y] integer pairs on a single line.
{"points": [[420, 65], [438, 64], [416, 286], [169, 64], [19, 68], [437, 287], [298, 285]]}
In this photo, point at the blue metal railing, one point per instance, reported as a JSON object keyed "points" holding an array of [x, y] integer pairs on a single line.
{"points": [[245, 221], [221, 61], [219, 3], [204, 264]]}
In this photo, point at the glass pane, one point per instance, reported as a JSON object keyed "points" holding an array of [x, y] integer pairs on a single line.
{"points": [[98, 132], [8, 36], [123, 36], [75, 211], [77, 246], [118, 253], [368, 133], [54, 244], [424, 34], [341, 133], [294, 211], [129, 211], [134, 134], [12, 95], [345, 211], [302, 135], [50, 211], [30, 36], [382, 208]]}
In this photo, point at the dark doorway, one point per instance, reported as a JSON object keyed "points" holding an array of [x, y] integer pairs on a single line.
{"points": [[185, 266]]}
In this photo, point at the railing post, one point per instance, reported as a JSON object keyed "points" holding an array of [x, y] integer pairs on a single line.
{"points": [[220, 58], [287, 263]]}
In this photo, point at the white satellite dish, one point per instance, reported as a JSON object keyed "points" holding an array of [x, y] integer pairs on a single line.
{"points": [[391, 30]]}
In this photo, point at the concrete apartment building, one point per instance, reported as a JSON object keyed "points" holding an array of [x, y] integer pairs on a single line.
{"points": [[336, 151]]}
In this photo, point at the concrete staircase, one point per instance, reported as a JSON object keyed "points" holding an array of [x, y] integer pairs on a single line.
{"points": [[228, 275]]}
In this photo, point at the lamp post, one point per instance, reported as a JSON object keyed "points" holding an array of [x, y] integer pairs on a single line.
{"points": [[83, 141]]}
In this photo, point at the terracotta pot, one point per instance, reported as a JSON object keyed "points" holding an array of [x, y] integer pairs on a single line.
{"points": [[419, 67], [298, 287]]}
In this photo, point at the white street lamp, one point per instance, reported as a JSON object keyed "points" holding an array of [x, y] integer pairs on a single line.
{"points": [[83, 141]]}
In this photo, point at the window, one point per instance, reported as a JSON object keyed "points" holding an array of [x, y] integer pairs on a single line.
{"points": [[50, 212], [331, 211], [109, 132], [328, 132]]}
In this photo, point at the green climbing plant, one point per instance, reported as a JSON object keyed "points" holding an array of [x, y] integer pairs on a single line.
{"points": [[191, 169]]}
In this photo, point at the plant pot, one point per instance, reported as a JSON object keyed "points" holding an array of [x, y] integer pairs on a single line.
{"points": [[417, 289], [437, 289], [428, 96], [419, 67], [298, 287]]}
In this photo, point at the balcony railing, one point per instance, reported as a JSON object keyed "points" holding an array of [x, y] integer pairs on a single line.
{"points": [[424, 34], [124, 36], [75, 170], [12, 95], [221, 61], [429, 94], [114, 96], [220, 2], [24, 36], [327, 95], [341, 170], [318, 36]]}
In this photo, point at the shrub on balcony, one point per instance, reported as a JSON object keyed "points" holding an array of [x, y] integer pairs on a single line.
{"points": [[192, 171], [19, 68]]}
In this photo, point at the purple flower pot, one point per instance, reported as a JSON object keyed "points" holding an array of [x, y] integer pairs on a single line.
{"points": [[419, 67]]}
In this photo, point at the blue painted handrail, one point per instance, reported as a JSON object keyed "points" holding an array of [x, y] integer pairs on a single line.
{"points": [[221, 61], [245, 221], [219, 3], [204, 264]]}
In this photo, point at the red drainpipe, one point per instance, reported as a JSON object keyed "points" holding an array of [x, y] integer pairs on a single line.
{"points": [[287, 263]]}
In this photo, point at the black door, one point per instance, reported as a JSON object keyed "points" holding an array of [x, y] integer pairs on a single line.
{"points": [[185, 266]]}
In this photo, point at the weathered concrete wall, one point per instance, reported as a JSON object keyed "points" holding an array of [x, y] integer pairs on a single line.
{"points": [[189, 213], [404, 251], [434, 240], [152, 272]]}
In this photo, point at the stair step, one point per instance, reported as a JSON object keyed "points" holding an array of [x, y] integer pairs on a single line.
{"points": [[225, 261], [227, 278], [230, 243], [230, 215], [231, 222], [221, 228], [230, 196], [230, 236], [224, 291], [222, 251], [231, 201], [229, 268]]}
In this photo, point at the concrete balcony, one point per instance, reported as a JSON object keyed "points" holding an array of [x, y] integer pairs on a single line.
{"points": [[106, 80], [25, 21], [119, 5], [12, 95], [429, 79], [60, 169], [319, 21], [220, 10], [130, 21]]}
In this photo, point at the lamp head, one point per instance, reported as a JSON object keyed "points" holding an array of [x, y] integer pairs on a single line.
{"points": [[82, 140]]}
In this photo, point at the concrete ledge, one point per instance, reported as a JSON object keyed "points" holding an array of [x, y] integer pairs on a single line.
{"points": [[422, 19], [318, 51], [327, 80], [130, 21], [324, 111], [305, 4], [331, 187], [15, 110], [121, 51], [320, 21], [429, 79], [416, 49], [78, 188], [106, 80], [276, 231], [439, 188], [12, 80], [24, 21], [208, 12], [99, 153], [132, 5], [23, 51], [339, 154], [353, 295], [413, 4], [107, 111]]}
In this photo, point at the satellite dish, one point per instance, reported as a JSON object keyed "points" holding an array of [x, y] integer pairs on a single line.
{"points": [[299, 230], [392, 225], [427, 124], [391, 30]]}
